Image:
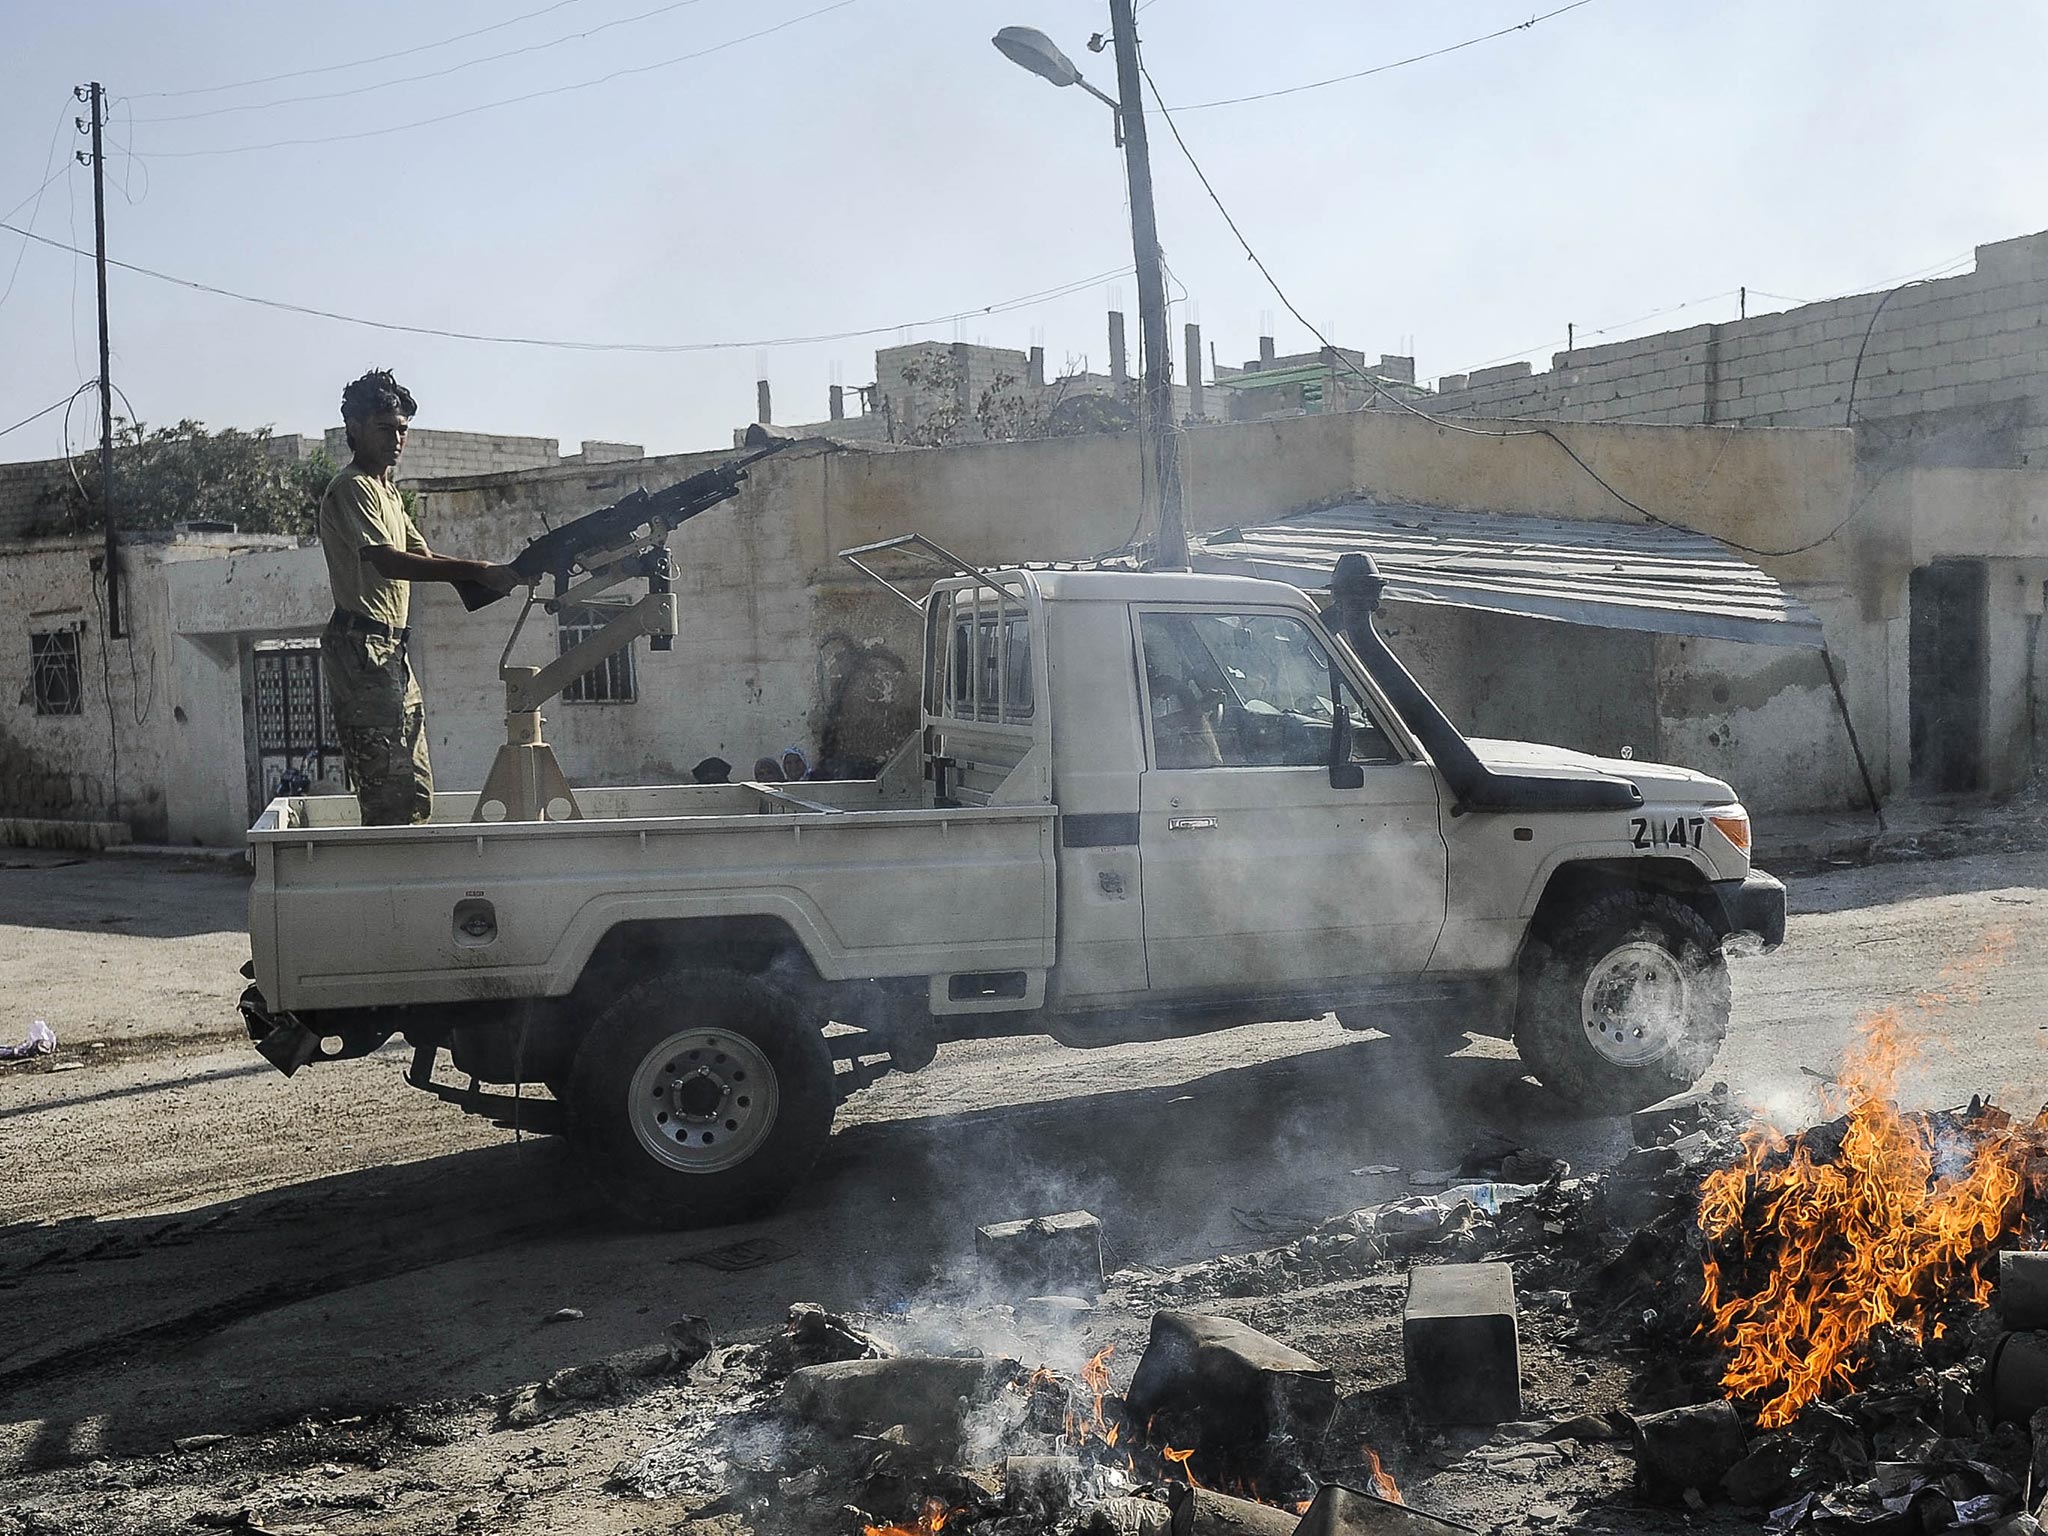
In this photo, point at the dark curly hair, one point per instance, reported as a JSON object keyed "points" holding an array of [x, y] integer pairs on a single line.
{"points": [[371, 395]]}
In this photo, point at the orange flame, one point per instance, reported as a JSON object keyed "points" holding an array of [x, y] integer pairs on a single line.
{"points": [[1379, 1481], [1894, 1224], [931, 1520], [1180, 1459]]}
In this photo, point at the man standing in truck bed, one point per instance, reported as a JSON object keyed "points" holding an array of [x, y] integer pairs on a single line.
{"points": [[374, 554]]}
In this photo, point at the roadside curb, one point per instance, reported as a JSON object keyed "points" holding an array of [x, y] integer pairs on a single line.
{"points": [[235, 860], [1997, 830]]}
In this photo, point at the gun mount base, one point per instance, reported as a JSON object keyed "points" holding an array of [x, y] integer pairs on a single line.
{"points": [[525, 781]]}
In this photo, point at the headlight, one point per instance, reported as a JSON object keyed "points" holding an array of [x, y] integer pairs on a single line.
{"points": [[1732, 822]]}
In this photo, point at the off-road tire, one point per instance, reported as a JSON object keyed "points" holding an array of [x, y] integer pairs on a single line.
{"points": [[1555, 1027], [757, 1060]]}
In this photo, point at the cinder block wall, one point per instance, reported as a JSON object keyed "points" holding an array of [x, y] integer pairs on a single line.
{"points": [[431, 454], [1961, 359]]}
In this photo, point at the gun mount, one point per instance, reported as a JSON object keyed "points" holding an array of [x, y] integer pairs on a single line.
{"points": [[624, 542]]}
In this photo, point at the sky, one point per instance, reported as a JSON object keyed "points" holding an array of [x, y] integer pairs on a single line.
{"points": [[761, 170]]}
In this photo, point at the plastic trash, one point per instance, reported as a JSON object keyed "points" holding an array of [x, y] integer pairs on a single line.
{"points": [[41, 1041], [1489, 1196]]}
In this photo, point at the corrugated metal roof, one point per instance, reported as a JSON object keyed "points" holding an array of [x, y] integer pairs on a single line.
{"points": [[1613, 575]]}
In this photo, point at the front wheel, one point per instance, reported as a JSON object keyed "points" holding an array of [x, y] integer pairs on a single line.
{"points": [[698, 1097], [1624, 1002]]}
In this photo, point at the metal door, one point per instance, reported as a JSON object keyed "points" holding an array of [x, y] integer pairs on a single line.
{"points": [[1259, 874], [294, 728]]}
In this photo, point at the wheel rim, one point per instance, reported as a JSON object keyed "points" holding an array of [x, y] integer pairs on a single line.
{"points": [[704, 1100], [1635, 1004]]}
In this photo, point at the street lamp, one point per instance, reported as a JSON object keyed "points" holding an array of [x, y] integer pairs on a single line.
{"points": [[1031, 49]]}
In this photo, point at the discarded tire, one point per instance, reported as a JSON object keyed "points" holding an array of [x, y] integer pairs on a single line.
{"points": [[699, 1096], [1624, 1001]]}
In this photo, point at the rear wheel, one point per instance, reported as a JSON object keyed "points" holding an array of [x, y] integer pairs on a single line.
{"points": [[700, 1096], [1624, 1001]]}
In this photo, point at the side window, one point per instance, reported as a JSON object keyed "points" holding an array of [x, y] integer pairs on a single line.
{"points": [[1246, 691], [988, 673]]}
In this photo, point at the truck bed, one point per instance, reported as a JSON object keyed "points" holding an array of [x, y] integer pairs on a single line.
{"points": [[461, 911]]}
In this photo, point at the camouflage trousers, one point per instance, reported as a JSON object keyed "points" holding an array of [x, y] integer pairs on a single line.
{"points": [[381, 720]]}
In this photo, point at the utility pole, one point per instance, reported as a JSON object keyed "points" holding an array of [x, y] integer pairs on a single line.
{"points": [[1159, 422], [98, 101]]}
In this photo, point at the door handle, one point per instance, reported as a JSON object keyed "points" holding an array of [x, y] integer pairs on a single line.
{"points": [[1191, 824]]}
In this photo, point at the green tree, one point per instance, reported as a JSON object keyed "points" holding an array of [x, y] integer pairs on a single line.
{"points": [[170, 475]]}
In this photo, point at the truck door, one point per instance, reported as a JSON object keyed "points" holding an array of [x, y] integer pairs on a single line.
{"points": [[1259, 875]]}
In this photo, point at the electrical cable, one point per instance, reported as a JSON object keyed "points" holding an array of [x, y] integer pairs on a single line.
{"points": [[436, 74], [1381, 392], [46, 410], [1377, 69], [1001, 307], [381, 58], [140, 706], [508, 101]]}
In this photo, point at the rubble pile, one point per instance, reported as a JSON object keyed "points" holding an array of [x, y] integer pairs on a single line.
{"points": [[1808, 1312], [1804, 1318]]}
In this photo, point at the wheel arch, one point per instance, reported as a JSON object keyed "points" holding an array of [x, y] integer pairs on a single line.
{"points": [[753, 944], [1573, 883]]}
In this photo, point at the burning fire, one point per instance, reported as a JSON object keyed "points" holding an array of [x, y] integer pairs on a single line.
{"points": [[931, 1520], [1089, 1430], [1899, 1221], [1379, 1481]]}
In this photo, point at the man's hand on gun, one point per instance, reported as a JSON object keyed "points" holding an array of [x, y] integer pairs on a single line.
{"points": [[501, 579]]}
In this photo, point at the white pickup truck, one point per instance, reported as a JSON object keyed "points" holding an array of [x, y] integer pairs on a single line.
{"points": [[1140, 805]]}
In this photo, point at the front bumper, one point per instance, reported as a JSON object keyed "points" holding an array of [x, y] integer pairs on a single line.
{"points": [[1754, 904]]}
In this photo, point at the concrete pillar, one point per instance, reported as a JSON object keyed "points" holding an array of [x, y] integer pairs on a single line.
{"points": [[1192, 342], [762, 412], [836, 407], [1117, 368], [1034, 368], [1267, 352]]}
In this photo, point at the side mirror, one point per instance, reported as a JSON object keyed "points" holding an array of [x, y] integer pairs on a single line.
{"points": [[1344, 774]]}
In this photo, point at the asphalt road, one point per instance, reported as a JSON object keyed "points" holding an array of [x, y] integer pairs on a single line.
{"points": [[190, 1243]]}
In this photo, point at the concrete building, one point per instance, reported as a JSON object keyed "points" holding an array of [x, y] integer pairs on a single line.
{"points": [[1311, 383], [1928, 572], [782, 644]]}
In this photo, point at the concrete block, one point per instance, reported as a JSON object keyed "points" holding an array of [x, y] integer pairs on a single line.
{"points": [[1202, 1513], [1461, 1344], [928, 1395], [1238, 1395], [1342, 1511], [1043, 1255], [2023, 1290]]}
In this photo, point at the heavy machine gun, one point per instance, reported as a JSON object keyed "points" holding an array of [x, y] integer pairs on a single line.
{"points": [[626, 541]]}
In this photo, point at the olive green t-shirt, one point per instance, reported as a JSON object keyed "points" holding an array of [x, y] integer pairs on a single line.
{"points": [[357, 511]]}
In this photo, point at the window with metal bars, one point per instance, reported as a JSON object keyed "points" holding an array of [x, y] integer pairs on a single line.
{"points": [[611, 681], [53, 661]]}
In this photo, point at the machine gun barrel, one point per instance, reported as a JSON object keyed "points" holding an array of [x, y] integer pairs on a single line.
{"points": [[556, 552]]}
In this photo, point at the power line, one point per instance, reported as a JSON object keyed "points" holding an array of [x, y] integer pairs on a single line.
{"points": [[381, 58], [1381, 392], [36, 197], [434, 74], [1377, 69], [1000, 307], [508, 101], [48, 409]]}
